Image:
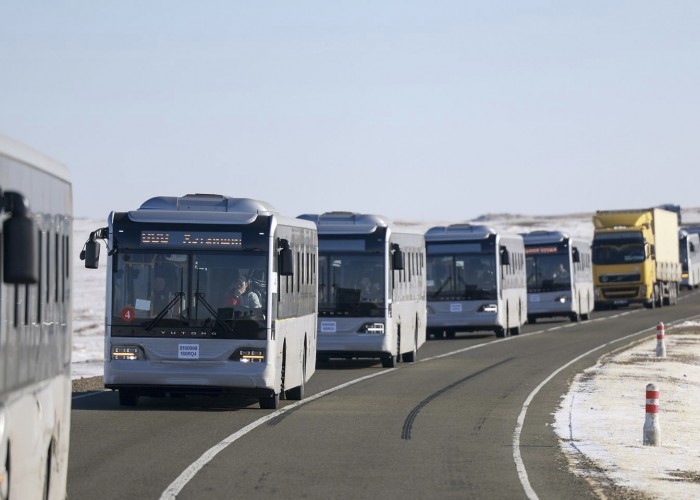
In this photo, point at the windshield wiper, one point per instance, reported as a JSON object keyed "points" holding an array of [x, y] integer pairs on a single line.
{"points": [[161, 314], [447, 281], [207, 305]]}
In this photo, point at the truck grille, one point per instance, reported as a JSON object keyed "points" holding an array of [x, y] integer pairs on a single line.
{"points": [[621, 293], [620, 278]]}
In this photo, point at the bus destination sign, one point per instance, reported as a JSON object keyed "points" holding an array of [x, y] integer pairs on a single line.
{"points": [[190, 239], [540, 250]]}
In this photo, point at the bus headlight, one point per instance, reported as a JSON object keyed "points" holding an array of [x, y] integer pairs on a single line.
{"points": [[249, 355], [127, 352], [372, 328], [563, 299], [488, 308]]}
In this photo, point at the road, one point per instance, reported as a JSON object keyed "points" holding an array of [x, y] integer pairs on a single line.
{"points": [[444, 427]]}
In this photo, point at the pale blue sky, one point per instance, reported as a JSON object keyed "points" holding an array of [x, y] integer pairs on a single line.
{"points": [[422, 110]]}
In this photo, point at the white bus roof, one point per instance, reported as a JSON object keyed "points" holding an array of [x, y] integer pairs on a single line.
{"points": [[459, 231], [544, 237], [346, 222], [201, 208], [30, 157]]}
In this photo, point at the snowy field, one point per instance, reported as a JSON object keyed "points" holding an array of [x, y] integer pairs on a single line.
{"points": [[601, 419]]}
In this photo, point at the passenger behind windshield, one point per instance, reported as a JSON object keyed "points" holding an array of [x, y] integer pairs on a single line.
{"points": [[240, 295]]}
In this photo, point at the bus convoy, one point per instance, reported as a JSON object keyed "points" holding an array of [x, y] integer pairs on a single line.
{"points": [[371, 288], [208, 294], [36, 203]]}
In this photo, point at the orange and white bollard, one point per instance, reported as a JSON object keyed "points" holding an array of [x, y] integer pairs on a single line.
{"points": [[660, 341], [652, 430]]}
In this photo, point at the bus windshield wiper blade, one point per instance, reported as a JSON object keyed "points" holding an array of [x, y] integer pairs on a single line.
{"points": [[447, 281], [209, 308], [161, 314]]}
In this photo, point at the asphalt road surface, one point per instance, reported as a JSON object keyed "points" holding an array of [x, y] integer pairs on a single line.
{"points": [[471, 419]]}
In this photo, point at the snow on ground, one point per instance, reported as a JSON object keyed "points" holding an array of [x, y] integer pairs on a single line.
{"points": [[603, 415], [601, 418]]}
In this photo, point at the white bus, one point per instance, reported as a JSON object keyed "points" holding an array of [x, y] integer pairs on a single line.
{"points": [[36, 203], [559, 276], [476, 280], [204, 338], [371, 288], [689, 245]]}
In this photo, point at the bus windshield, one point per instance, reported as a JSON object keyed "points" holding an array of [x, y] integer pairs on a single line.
{"points": [[548, 272], [462, 277], [351, 285], [204, 290]]}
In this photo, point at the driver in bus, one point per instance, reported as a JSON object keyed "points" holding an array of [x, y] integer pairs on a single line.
{"points": [[240, 295]]}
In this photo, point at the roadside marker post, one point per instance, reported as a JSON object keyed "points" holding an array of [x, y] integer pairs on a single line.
{"points": [[660, 341], [652, 430]]}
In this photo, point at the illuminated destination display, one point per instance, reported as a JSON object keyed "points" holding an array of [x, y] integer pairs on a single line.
{"points": [[190, 239], [540, 250]]}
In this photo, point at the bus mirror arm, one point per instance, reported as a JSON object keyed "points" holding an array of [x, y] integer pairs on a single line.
{"points": [[91, 250]]}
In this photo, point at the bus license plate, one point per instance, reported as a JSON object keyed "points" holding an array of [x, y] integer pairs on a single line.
{"points": [[188, 351]]}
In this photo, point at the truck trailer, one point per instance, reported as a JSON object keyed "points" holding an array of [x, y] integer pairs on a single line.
{"points": [[636, 258]]}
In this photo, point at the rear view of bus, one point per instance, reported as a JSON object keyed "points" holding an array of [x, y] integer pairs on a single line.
{"points": [[208, 294], [476, 280], [559, 276], [36, 203], [371, 288]]}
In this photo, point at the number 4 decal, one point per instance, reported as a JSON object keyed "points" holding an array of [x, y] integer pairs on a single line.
{"points": [[127, 314]]}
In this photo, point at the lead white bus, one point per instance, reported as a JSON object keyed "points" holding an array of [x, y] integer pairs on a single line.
{"points": [[689, 248], [198, 340], [476, 280], [371, 288], [559, 276], [36, 203]]}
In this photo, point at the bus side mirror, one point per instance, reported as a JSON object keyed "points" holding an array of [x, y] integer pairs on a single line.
{"points": [[505, 256], [19, 242], [92, 253], [286, 261], [575, 255], [692, 247], [396, 257]]}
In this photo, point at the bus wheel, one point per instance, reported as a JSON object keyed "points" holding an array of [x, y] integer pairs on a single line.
{"points": [[128, 397], [515, 330], [532, 319], [574, 317], [500, 332], [270, 402]]}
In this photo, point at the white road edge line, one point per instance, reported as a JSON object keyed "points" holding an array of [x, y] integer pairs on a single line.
{"points": [[519, 464]]}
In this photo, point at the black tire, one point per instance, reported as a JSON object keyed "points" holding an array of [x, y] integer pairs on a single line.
{"points": [[574, 317], [515, 330], [128, 397], [531, 319], [500, 332], [296, 393], [389, 361], [270, 402]]}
